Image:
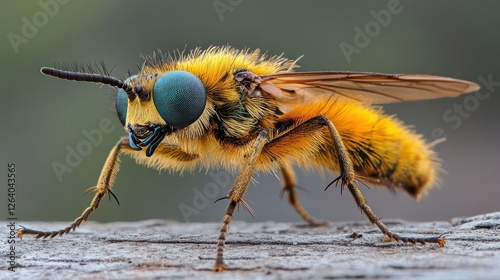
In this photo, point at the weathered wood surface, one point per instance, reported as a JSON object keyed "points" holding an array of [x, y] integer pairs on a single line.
{"points": [[165, 249]]}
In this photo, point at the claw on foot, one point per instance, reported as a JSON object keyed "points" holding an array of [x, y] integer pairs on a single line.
{"points": [[220, 267], [316, 223], [436, 240]]}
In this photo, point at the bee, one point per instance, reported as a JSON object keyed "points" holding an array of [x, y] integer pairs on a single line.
{"points": [[241, 110]]}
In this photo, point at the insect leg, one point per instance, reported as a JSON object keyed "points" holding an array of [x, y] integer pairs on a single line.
{"points": [[363, 205], [236, 194], [104, 184], [347, 177], [289, 185]]}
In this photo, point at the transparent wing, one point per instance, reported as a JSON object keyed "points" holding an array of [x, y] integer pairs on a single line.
{"points": [[292, 89]]}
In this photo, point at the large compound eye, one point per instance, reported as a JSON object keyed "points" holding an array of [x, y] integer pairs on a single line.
{"points": [[179, 97], [121, 102]]}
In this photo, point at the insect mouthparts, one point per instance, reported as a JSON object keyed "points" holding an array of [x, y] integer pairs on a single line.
{"points": [[146, 136]]}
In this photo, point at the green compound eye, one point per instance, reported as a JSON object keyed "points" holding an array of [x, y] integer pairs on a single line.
{"points": [[121, 102], [179, 97]]}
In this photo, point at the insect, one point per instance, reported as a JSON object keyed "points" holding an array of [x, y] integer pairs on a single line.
{"points": [[232, 109]]}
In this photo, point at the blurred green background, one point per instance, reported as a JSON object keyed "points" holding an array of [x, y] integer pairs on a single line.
{"points": [[42, 117]]}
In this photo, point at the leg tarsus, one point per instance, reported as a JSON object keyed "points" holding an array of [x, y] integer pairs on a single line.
{"points": [[289, 186], [103, 187], [236, 194], [228, 216], [417, 240], [76, 223], [294, 202], [372, 217], [220, 267]]}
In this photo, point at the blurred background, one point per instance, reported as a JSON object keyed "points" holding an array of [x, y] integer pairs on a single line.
{"points": [[45, 120]]}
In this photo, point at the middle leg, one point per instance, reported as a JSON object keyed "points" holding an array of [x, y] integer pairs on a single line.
{"points": [[289, 186]]}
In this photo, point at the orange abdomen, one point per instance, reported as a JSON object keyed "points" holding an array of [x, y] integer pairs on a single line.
{"points": [[382, 149]]}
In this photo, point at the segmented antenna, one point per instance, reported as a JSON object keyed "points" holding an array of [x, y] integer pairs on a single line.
{"points": [[89, 77]]}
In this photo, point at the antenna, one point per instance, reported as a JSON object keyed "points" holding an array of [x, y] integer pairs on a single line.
{"points": [[89, 77]]}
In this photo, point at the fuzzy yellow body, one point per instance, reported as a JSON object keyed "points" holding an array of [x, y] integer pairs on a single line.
{"points": [[383, 150], [238, 110]]}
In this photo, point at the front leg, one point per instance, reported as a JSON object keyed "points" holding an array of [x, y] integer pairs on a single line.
{"points": [[171, 155], [103, 187], [236, 194]]}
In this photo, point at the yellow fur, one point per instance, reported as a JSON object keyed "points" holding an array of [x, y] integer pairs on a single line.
{"points": [[377, 144], [257, 121], [382, 149]]}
